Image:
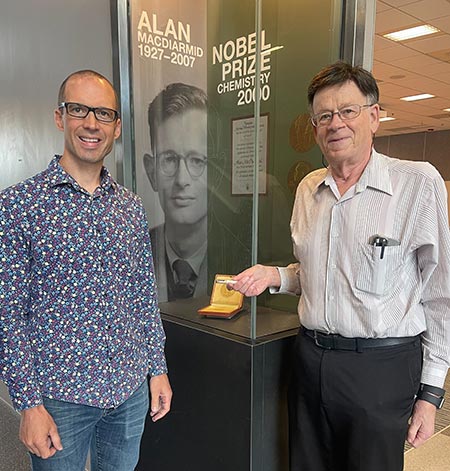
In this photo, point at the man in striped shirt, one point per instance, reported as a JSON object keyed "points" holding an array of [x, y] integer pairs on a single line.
{"points": [[372, 244]]}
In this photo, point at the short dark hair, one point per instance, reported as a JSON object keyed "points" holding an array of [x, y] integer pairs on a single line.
{"points": [[341, 72], [84, 73], [175, 99]]}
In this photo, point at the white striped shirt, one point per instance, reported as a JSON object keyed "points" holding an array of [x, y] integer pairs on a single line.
{"points": [[346, 287]]}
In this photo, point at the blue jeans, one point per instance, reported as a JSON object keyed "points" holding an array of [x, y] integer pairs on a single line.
{"points": [[113, 435]]}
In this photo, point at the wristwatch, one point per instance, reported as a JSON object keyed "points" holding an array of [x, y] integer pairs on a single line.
{"points": [[431, 394]]}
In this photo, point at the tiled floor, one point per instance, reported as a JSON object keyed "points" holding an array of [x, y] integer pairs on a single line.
{"points": [[13, 455], [434, 455]]}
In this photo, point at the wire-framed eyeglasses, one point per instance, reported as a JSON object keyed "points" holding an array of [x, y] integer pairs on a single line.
{"points": [[80, 111], [169, 163], [345, 113]]}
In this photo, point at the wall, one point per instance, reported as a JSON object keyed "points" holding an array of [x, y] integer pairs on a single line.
{"points": [[433, 147], [429, 146], [43, 41]]}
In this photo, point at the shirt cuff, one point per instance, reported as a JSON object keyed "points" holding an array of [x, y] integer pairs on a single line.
{"points": [[159, 369], [289, 281], [25, 401], [433, 374]]}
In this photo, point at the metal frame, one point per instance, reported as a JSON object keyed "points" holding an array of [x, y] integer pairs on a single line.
{"points": [[120, 31], [358, 30]]}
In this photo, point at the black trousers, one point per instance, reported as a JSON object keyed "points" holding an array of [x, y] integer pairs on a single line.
{"points": [[349, 411]]}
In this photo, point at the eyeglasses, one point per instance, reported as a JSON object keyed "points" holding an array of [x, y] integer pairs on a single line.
{"points": [[77, 110], [345, 113], [169, 163]]}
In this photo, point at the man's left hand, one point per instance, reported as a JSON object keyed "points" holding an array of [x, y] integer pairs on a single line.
{"points": [[161, 396], [421, 427]]}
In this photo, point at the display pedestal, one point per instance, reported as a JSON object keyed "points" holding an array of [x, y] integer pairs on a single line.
{"points": [[229, 409]]}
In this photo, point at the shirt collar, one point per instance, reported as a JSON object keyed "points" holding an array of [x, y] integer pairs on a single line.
{"points": [[376, 175], [195, 261], [58, 176]]}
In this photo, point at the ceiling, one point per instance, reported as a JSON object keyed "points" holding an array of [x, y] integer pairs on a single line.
{"points": [[414, 66]]}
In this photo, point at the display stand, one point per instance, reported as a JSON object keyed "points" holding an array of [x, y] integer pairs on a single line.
{"points": [[229, 409]]}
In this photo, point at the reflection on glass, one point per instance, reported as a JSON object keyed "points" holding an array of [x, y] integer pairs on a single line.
{"points": [[176, 170], [194, 75]]}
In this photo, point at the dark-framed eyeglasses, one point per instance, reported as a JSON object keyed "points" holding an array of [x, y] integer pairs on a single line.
{"points": [[345, 113], [80, 111], [169, 163]]}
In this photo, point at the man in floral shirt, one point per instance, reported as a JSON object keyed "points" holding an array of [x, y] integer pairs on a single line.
{"points": [[80, 325]]}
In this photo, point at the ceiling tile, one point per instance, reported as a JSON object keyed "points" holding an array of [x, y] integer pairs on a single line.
{"points": [[398, 3], [392, 20], [389, 74], [424, 63], [395, 91], [442, 23], [441, 103], [442, 55], [381, 43], [427, 85], [444, 77], [381, 6], [429, 44], [428, 9], [417, 63], [396, 52], [438, 69]]}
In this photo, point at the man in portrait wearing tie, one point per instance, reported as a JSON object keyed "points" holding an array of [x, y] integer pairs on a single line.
{"points": [[177, 171]]}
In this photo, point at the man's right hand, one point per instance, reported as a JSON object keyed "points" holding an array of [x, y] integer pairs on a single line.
{"points": [[256, 279], [39, 433]]}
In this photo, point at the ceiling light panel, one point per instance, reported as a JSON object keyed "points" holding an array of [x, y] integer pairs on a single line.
{"points": [[411, 33], [422, 96]]}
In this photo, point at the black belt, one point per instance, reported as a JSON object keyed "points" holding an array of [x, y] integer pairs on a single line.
{"points": [[337, 342]]}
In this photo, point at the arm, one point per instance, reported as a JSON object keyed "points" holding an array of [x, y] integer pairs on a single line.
{"points": [[160, 390], [38, 431], [16, 354], [146, 303], [146, 306], [433, 257]]}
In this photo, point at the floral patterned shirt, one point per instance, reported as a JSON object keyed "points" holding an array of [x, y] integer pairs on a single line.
{"points": [[79, 317]]}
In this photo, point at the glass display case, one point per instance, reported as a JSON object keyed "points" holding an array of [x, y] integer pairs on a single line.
{"points": [[216, 137], [202, 82]]}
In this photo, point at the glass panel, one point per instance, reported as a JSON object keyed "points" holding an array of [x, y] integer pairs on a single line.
{"points": [[194, 164], [169, 82], [297, 39], [305, 37]]}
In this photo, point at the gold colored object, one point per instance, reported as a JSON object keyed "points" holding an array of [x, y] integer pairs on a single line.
{"points": [[301, 134]]}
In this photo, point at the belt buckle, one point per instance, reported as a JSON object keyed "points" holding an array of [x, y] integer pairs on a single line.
{"points": [[316, 341]]}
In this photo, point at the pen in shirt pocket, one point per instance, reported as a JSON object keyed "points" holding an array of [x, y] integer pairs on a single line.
{"points": [[383, 242]]}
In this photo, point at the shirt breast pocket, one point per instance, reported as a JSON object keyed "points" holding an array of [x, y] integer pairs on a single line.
{"points": [[376, 274]]}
